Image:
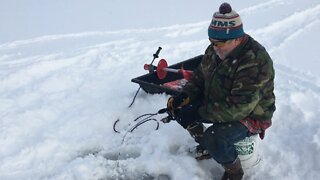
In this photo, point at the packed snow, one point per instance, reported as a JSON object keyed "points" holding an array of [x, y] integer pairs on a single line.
{"points": [[62, 90]]}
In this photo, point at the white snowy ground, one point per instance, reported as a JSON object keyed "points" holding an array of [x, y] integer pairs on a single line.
{"points": [[60, 95]]}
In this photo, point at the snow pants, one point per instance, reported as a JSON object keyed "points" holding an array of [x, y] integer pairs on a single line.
{"points": [[219, 138]]}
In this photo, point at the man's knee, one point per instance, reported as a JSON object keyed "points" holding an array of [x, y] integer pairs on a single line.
{"points": [[219, 141], [214, 142]]}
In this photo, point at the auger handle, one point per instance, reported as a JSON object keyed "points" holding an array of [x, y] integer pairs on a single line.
{"points": [[156, 55], [166, 119]]}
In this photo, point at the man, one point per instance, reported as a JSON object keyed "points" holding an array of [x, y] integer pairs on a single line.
{"points": [[232, 89]]}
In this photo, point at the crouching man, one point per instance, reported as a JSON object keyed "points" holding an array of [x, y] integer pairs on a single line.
{"points": [[232, 89]]}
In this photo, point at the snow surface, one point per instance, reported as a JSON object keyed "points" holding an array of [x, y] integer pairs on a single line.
{"points": [[61, 92]]}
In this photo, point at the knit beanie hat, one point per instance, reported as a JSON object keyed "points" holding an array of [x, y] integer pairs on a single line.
{"points": [[226, 24]]}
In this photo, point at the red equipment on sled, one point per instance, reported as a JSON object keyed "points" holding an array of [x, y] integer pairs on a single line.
{"points": [[167, 79], [162, 70]]}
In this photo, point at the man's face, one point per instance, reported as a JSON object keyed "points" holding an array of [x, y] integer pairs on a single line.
{"points": [[223, 48]]}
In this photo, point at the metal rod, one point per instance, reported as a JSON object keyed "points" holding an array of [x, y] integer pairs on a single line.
{"points": [[171, 70]]}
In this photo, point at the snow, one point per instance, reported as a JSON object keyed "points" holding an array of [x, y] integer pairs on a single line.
{"points": [[65, 82]]}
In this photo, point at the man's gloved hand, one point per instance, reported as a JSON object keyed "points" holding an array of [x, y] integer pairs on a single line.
{"points": [[176, 102], [188, 115]]}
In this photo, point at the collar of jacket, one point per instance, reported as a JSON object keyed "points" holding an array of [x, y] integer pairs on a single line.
{"points": [[236, 52]]}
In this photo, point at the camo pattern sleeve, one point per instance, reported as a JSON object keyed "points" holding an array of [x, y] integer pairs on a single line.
{"points": [[197, 85], [241, 86], [194, 87]]}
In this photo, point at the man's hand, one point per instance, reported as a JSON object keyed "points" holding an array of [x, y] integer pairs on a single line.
{"points": [[188, 115], [175, 102]]}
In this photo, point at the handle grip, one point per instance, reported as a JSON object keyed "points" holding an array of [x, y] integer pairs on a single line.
{"points": [[156, 55], [164, 110], [166, 119]]}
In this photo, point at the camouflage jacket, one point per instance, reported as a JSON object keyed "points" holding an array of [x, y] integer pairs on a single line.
{"points": [[240, 86]]}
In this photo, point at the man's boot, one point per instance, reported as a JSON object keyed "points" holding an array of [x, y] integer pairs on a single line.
{"points": [[233, 171], [196, 130]]}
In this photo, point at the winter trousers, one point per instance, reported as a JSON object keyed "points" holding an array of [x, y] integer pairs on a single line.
{"points": [[218, 139]]}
